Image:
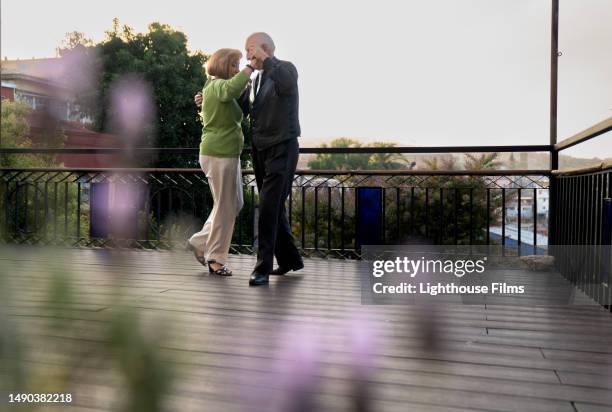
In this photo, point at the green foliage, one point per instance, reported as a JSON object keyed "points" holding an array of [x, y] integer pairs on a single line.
{"points": [[15, 133], [243, 227], [482, 161], [410, 212], [332, 228], [441, 163], [33, 216], [246, 159], [14, 127], [386, 161], [161, 58], [435, 211], [449, 199], [74, 40], [343, 161], [357, 161]]}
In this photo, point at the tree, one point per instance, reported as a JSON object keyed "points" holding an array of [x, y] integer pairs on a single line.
{"points": [[462, 194], [15, 132], [357, 161], [448, 162], [340, 161], [512, 161], [23, 209], [161, 59], [74, 40], [484, 161], [386, 161]]}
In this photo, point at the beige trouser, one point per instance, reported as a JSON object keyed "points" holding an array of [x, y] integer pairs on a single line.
{"points": [[225, 183]]}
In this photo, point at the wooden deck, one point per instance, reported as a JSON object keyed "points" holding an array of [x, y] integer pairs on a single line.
{"points": [[302, 343]]}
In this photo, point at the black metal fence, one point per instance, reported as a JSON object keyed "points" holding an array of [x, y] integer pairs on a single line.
{"points": [[581, 219], [161, 208], [583, 230]]}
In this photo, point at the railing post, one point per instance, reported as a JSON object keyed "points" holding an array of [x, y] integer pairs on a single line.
{"points": [[554, 154], [606, 242], [553, 205], [554, 60]]}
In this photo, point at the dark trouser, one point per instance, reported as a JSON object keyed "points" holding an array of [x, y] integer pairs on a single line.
{"points": [[274, 170]]}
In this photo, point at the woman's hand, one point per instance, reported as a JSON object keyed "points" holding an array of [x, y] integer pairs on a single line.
{"points": [[198, 99]]}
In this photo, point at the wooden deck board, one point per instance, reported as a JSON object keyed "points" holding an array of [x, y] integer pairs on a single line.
{"points": [[225, 336]]}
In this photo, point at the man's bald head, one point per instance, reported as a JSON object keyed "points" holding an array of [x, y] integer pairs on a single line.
{"points": [[262, 40]]}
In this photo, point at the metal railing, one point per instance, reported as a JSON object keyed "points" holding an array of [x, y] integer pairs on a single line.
{"points": [[160, 208], [303, 150], [82, 206], [581, 222], [465, 204]]}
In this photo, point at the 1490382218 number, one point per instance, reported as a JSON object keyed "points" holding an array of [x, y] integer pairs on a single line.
{"points": [[40, 398]]}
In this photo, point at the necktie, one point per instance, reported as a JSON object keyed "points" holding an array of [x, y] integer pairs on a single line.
{"points": [[255, 87], [260, 82]]}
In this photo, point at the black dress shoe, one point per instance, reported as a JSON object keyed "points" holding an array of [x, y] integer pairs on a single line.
{"points": [[281, 270], [258, 279]]}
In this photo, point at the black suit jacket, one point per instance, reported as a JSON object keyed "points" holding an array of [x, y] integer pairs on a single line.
{"points": [[274, 115]]}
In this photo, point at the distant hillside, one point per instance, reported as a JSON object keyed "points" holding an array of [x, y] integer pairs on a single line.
{"points": [[509, 161]]}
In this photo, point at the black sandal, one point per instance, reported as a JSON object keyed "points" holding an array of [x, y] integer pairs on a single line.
{"points": [[222, 271]]}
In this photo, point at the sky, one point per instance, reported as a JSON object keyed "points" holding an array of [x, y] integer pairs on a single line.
{"points": [[414, 72]]}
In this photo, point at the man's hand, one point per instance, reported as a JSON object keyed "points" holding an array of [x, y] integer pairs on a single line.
{"points": [[198, 99], [257, 56]]}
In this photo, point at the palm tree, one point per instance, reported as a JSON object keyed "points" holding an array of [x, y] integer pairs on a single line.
{"points": [[386, 161], [340, 161], [484, 161], [441, 163]]}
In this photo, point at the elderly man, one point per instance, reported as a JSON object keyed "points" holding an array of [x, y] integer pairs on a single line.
{"points": [[276, 127]]}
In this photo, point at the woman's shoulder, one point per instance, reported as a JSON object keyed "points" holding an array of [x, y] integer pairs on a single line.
{"points": [[212, 86]]}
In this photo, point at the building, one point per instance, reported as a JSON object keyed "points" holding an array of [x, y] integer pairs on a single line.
{"points": [[42, 85], [527, 204], [38, 83]]}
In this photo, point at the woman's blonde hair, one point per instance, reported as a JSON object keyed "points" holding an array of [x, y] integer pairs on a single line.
{"points": [[221, 61]]}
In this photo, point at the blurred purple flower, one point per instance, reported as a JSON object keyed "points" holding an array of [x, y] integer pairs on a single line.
{"points": [[131, 108], [363, 342], [79, 70]]}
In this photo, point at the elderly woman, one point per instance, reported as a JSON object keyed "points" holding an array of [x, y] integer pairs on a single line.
{"points": [[222, 142]]}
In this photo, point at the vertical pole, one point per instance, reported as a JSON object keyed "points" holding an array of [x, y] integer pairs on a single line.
{"points": [[488, 216], [316, 217], [535, 221], [254, 219], [427, 212], [554, 60], [442, 231], [329, 220], [303, 222], [554, 154], [518, 209], [383, 217], [78, 220], [342, 220], [397, 215]]}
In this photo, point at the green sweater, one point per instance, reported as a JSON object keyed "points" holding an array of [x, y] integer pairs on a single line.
{"points": [[222, 117]]}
